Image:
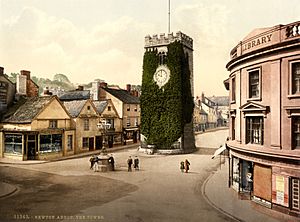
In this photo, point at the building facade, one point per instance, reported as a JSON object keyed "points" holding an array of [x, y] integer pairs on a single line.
{"points": [[127, 107], [264, 135], [110, 123], [85, 119], [39, 128], [7, 92]]}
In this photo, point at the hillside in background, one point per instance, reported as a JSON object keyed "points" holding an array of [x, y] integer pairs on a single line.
{"points": [[61, 83]]}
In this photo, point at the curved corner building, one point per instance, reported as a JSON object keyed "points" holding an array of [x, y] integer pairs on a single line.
{"points": [[264, 135]]}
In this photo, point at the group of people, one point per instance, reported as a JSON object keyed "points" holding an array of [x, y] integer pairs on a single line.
{"points": [[185, 166], [94, 160], [135, 163]]}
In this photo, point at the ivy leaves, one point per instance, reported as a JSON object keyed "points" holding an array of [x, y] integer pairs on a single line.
{"points": [[165, 111]]}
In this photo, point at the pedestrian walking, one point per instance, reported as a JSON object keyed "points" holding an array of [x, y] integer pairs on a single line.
{"points": [[182, 166], [96, 166], [111, 161], [186, 165], [136, 163], [129, 162]]}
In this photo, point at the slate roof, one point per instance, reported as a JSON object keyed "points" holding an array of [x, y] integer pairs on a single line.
{"points": [[74, 107], [75, 95], [220, 100], [123, 95], [28, 111], [100, 105]]}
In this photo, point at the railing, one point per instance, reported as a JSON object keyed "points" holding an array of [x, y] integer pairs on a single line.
{"points": [[292, 30]]}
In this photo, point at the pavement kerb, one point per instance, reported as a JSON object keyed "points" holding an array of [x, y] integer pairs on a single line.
{"points": [[203, 188], [7, 189], [109, 150]]}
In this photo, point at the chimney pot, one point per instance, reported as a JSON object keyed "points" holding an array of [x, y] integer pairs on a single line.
{"points": [[26, 73], [1, 71]]}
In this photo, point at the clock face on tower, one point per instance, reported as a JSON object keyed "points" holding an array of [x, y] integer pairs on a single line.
{"points": [[161, 76]]}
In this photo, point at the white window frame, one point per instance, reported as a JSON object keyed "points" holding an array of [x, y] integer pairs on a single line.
{"points": [[249, 71], [86, 124], [291, 93], [53, 123], [261, 130]]}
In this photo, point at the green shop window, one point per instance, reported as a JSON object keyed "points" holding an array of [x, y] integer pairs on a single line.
{"points": [[13, 143], [50, 143]]}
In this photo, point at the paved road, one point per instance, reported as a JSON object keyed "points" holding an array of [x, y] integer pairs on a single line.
{"points": [[158, 192]]}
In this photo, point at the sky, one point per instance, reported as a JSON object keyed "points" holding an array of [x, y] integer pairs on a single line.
{"points": [[100, 39]]}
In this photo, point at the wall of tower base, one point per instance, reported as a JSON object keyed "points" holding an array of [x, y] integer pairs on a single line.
{"points": [[185, 145]]}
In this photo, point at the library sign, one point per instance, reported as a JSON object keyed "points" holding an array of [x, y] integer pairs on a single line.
{"points": [[258, 42]]}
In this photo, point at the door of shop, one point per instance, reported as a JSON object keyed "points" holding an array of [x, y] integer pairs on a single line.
{"points": [[99, 142], [262, 182], [91, 144], [31, 147], [295, 185]]}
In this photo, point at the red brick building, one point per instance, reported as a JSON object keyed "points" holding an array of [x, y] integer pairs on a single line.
{"points": [[264, 113]]}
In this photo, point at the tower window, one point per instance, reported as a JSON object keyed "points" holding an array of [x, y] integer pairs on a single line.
{"points": [[162, 58]]}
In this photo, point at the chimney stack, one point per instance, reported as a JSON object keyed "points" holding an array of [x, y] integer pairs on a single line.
{"points": [[26, 73], [128, 88], [22, 84], [80, 88], [1, 71], [95, 90], [103, 84]]}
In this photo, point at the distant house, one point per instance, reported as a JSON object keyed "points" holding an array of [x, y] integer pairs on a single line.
{"points": [[38, 128], [200, 118], [110, 123], [222, 104], [7, 92], [210, 108], [78, 94], [85, 120]]}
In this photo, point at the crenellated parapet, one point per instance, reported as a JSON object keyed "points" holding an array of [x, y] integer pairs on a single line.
{"points": [[162, 40]]}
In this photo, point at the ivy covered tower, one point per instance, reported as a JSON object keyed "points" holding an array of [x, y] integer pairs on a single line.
{"points": [[167, 94]]}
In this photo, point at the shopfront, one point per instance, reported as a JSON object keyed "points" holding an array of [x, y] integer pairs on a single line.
{"points": [[20, 145], [33, 145], [242, 175]]}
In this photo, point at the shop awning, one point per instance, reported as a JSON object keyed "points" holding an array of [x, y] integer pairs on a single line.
{"points": [[219, 151]]}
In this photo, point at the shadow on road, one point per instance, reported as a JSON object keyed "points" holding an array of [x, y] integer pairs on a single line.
{"points": [[205, 151]]}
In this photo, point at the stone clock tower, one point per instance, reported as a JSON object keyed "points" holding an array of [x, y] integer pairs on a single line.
{"points": [[167, 94]]}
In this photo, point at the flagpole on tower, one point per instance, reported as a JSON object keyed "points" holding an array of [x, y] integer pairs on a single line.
{"points": [[169, 18]]}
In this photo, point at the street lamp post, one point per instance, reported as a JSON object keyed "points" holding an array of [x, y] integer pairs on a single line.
{"points": [[103, 127]]}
